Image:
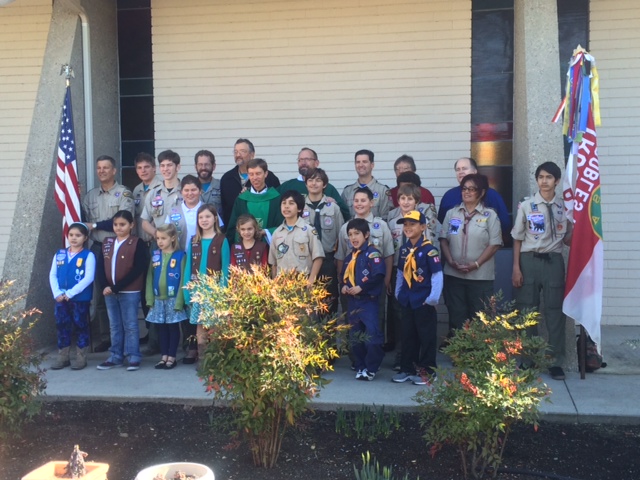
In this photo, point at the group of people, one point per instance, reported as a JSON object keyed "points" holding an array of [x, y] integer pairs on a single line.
{"points": [[377, 251]]}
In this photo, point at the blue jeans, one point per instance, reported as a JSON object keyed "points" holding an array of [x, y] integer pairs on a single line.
{"points": [[123, 321]]}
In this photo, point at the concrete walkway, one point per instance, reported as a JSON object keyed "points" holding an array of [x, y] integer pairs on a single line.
{"points": [[606, 396]]}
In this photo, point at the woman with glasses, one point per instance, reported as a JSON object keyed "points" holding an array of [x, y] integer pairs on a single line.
{"points": [[471, 236]]}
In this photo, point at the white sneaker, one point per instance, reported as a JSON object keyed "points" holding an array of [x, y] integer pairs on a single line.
{"points": [[359, 374], [367, 375]]}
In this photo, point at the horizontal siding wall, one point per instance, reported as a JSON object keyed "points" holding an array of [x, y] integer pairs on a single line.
{"points": [[337, 76], [614, 42], [24, 26]]}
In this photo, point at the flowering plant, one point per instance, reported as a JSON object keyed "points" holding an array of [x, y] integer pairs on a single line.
{"points": [[475, 405], [21, 378], [267, 351]]}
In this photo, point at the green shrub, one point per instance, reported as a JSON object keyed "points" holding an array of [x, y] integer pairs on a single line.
{"points": [[371, 470], [367, 423], [21, 379], [474, 406], [267, 351]]}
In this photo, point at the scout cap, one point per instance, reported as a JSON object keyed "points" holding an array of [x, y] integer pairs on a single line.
{"points": [[414, 216]]}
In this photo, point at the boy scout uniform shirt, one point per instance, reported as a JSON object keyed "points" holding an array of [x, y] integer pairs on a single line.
{"points": [[159, 202], [483, 229], [540, 225], [99, 205], [295, 249], [213, 195], [139, 197], [331, 220], [433, 227], [379, 237], [381, 199]]}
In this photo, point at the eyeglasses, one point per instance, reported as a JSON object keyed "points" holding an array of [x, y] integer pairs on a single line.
{"points": [[306, 159], [470, 189], [242, 151]]}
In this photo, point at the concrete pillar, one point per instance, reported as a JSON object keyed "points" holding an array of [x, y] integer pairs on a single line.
{"points": [[536, 98], [36, 231]]}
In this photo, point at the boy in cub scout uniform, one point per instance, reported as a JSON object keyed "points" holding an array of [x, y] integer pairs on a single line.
{"points": [[362, 283], [380, 237], [326, 217], [539, 232], [418, 287], [295, 244]]}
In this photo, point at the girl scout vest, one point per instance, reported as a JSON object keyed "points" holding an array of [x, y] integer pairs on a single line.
{"points": [[173, 272], [254, 257], [124, 262], [70, 273], [214, 257]]}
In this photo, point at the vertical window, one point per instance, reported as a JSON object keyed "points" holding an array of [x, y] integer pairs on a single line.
{"points": [[136, 84], [492, 92]]}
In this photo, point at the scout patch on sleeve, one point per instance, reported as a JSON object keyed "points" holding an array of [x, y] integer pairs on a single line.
{"points": [[375, 255], [127, 194]]}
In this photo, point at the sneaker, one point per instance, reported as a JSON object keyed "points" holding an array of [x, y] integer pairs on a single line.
{"points": [[556, 373], [426, 379], [133, 366], [108, 365], [359, 374], [401, 377], [367, 375]]}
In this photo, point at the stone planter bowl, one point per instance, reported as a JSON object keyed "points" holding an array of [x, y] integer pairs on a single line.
{"points": [[201, 472]]}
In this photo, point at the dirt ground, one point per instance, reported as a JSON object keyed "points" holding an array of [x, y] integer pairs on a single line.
{"points": [[132, 436]]}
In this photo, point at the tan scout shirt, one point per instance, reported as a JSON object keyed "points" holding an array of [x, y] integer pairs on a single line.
{"points": [[466, 245], [381, 198], [99, 205], [295, 249], [159, 202], [139, 197], [433, 227], [331, 220], [379, 237], [533, 225]]}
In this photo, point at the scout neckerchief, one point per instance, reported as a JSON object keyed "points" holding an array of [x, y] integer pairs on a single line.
{"points": [[410, 267], [350, 272], [317, 221]]}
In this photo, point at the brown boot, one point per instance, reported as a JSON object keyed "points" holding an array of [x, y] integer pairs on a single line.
{"points": [[80, 360], [62, 360]]}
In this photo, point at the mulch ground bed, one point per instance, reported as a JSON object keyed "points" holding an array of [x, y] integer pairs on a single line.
{"points": [[132, 436]]}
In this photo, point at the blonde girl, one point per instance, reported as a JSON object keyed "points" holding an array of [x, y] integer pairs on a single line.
{"points": [[207, 252], [164, 289]]}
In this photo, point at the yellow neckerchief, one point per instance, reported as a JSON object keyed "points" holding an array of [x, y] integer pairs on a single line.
{"points": [[409, 270], [350, 272]]}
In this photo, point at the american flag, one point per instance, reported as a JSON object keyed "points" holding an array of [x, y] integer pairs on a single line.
{"points": [[67, 193]]}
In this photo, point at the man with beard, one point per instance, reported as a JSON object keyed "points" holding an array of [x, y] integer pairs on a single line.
{"points": [[205, 163], [307, 162]]}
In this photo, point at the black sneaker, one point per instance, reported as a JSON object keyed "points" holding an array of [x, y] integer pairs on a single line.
{"points": [[108, 365], [557, 373]]}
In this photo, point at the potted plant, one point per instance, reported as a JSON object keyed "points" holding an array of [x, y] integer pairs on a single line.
{"points": [[76, 468]]}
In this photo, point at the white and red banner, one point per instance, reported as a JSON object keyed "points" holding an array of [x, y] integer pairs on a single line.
{"points": [[585, 271]]}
